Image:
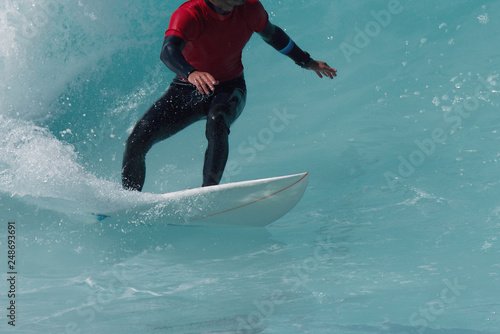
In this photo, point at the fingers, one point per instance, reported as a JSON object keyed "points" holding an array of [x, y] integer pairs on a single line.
{"points": [[330, 73], [327, 71], [204, 82], [323, 70]]}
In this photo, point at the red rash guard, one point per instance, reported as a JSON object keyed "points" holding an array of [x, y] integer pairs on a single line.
{"points": [[214, 42]]}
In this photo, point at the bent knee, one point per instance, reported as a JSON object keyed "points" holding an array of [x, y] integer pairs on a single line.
{"points": [[217, 124], [219, 112]]}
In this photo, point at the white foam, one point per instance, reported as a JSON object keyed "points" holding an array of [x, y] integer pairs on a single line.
{"points": [[37, 167]]}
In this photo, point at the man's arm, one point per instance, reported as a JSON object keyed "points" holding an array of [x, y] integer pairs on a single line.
{"points": [[171, 55], [277, 38]]}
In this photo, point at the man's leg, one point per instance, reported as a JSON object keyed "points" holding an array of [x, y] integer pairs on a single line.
{"points": [[217, 133], [167, 116], [225, 108]]}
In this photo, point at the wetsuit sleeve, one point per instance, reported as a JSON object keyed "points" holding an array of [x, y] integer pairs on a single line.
{"points": [[184, 26], [171, 56], [277, 38]]}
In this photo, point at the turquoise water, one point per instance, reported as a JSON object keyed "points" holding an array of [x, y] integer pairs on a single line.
{"points": [[398, 229]]}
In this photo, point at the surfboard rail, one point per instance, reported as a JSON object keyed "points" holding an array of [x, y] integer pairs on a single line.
{"points": [[303, 176], [254, 203]]}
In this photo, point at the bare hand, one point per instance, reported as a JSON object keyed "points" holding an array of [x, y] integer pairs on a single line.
{"points": [[204, 81], [322, 69]]}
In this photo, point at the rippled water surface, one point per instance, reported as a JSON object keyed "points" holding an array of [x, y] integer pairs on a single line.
{"points": [[397, 231]]}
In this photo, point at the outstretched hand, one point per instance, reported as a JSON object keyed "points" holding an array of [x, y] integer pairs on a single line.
{"points": [[204, 81], [322, 69]]}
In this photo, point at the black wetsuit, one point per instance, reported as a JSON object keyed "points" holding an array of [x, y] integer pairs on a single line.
{"points": [[182, 105]]}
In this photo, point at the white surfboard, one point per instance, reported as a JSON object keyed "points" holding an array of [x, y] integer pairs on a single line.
{"points": [[248, 203]]}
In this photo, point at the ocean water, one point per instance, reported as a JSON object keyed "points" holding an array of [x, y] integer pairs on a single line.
{"points": [[398, 231]]}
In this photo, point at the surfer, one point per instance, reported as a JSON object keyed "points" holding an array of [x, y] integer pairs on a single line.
{"points": [[203, 46]]}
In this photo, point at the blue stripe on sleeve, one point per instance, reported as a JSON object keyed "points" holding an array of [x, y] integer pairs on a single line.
{"points": [[287, 48]]}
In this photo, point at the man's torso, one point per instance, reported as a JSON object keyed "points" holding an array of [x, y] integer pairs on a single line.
{"points": [[214, 42]]}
